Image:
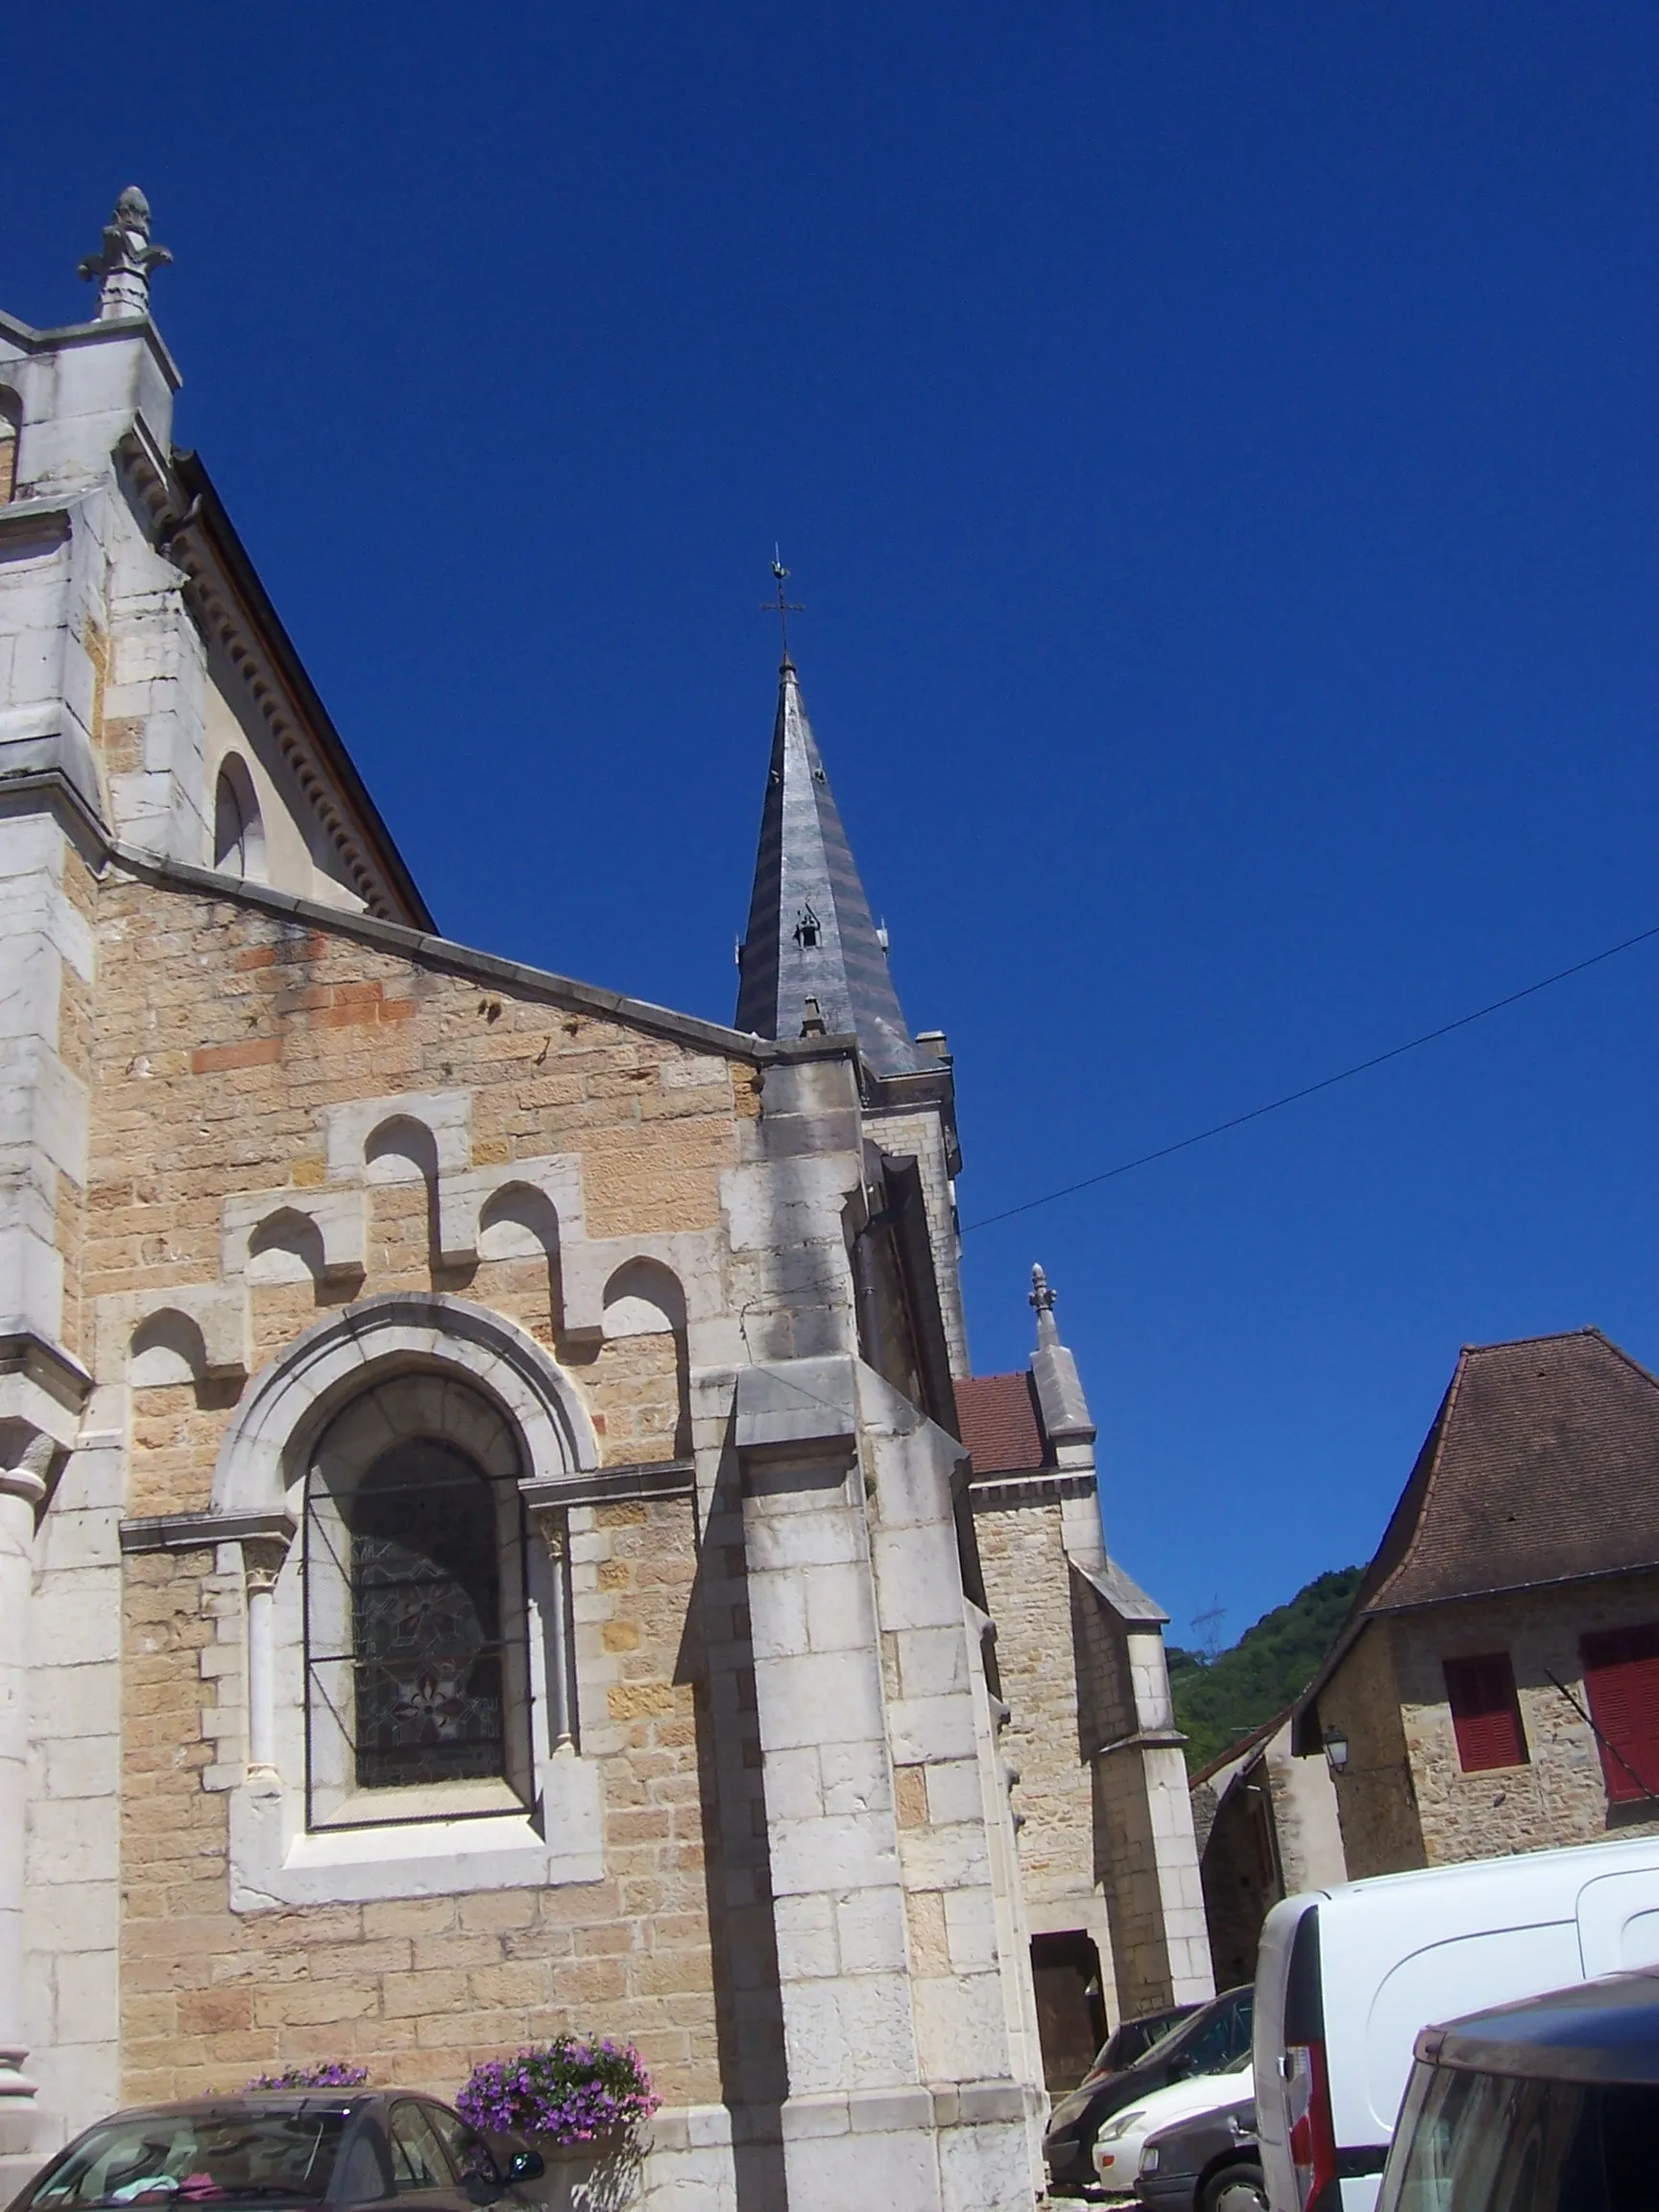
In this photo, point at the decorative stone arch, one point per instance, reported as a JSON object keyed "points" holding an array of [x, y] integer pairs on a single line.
{"points": [[264, 1453], [644, 1297], [238, 823]]}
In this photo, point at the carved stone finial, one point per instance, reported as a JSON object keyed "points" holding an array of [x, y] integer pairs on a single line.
{"points": [[1042, 1298], [121, 268]]}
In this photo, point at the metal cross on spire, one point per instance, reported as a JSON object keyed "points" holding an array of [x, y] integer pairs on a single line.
{"points": [[782, 606]]}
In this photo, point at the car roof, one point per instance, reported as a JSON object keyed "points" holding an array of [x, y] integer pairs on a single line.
{"points": [[1605, 2031], [1182, 2033], [261, 2099]]}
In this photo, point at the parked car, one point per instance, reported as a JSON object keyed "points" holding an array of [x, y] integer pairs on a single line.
{"points": [[1208, 2041], [308, 2147], [1346, 1977], [1121, 2142], [1549, 2105], [1132, 2039], [1208, 2162]]}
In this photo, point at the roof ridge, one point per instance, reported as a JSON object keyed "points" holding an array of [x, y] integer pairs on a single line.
{"points": [[1544, 1336]]}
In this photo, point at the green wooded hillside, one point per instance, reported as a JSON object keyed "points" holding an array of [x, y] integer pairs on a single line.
{"points": [[1218, 1701]]}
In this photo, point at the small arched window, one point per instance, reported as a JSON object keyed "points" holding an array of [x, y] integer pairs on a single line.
{"points": [[238, 833], [417, 1697], [11, 427]]}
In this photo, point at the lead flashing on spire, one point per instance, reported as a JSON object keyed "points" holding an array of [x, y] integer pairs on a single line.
{"points": [[121, 267]]}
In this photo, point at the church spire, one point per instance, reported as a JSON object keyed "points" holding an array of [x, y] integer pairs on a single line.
{"points": [[812, 959]]}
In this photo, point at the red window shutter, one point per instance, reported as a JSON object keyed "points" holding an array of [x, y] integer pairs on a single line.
{"points": [[1485, 1712], [1622, 1682]]}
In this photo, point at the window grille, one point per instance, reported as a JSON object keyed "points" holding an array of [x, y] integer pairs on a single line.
{"points": [[415, 1631], [1485, 1712]]}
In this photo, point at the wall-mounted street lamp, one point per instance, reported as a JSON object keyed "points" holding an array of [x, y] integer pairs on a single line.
{"points": [[1336, 1749]]}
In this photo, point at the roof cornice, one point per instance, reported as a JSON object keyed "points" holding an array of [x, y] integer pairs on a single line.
{"points": [[239, 613]]}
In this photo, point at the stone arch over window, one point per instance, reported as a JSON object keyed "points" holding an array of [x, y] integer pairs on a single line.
{"points": [[238, 828], [409, 1660], [263, 1459], [10, 434]]}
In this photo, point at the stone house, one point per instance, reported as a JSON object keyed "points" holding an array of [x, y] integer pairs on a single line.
{"points": [[1497, 1686], [1267, 1826], [486, 1539]]}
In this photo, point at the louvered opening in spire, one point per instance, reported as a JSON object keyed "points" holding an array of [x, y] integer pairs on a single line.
{"points": [[812, 959]]}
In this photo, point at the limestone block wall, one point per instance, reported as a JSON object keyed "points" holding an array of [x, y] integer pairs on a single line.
{"points": [[224, 1036], [72, 1826], [1560, 1795], [45, 1034], [224, 1040], [1028, 1592], [414, 1987], [922, 1137], [1376, 1793]]}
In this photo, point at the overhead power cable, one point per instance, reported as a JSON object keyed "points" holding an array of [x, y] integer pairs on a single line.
{"points": [[1308, 1090]]}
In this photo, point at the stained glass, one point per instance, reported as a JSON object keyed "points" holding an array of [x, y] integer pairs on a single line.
{"points": [[425, 1620]]}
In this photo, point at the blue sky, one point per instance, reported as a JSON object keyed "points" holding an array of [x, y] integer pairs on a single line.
{"points": [[1216, 449]]}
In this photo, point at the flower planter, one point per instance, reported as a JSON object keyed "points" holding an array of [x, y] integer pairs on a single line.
{"points": [[584, 2104], [604, 2175]]}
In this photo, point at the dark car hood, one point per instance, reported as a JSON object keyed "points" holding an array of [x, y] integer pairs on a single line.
{"points": [[1106, 2097]]}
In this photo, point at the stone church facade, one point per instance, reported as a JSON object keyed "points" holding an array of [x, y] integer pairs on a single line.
{"points": [[487, 1541]]}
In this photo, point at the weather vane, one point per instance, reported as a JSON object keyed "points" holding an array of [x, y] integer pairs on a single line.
{"points": [[781, 607]]}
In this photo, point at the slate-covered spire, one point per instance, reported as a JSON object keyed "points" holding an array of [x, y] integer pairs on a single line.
{"points": [[811, 956]]}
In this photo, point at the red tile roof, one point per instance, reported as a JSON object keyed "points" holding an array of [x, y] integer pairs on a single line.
{"points": [[1000, 1425]]}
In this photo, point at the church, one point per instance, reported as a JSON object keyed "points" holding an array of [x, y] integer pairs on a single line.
{"points": [[498, 1531]]}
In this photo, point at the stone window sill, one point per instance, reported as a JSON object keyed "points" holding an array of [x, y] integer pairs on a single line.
{"points": [[275, 1861]]}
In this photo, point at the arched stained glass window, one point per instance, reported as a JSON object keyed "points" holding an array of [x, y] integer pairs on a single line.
{"points": [[425, 1572], [418, 1693]]}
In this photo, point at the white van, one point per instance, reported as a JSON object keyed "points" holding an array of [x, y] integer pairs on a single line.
{"points": [[1347, 1976]]}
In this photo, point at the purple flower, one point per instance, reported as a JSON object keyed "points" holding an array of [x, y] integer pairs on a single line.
{"points": [[332, 2074], [568, 2091]]}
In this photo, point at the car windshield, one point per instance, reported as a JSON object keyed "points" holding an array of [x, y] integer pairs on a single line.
{"points": [[199, 2158], [1213, 2041], [1494, 2142]]}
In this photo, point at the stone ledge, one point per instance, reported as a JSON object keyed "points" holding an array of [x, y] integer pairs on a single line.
{"points": [[994, 1494], [907, 2108], [199, 1531], [23, 1352], [1142, 1739], [613, 1485]]}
